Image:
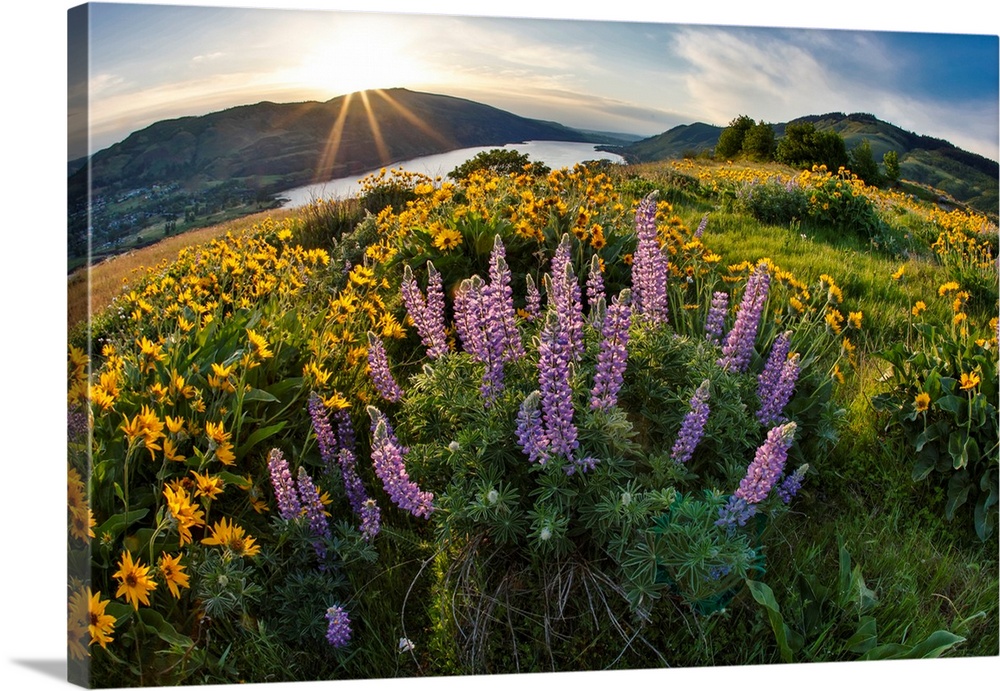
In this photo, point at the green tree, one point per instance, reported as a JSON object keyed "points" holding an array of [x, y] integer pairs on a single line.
{"points": [[759, 142], [890, 162], [803, 146], [500, 161], [862, 163], [731, 139]]}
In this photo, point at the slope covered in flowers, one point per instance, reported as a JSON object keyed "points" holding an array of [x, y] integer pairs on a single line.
{"points": [[565, 396]]}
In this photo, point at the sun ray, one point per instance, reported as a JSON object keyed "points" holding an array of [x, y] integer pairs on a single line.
{"points": [[324, 169], [416, 121], [383, 150]]}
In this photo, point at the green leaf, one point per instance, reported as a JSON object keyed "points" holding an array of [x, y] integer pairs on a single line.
{"points": [[935, 644], [865, 638], [154, 620], [958, 448], [116, 523], [258, 436], [788, 641], [958, 491], [951, 404], [258, 395]]}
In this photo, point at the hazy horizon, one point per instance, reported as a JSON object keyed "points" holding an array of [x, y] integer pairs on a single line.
{"points": [[156, 62]]}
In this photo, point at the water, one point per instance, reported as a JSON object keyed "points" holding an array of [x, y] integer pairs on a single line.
{"points": [[553, 154]]}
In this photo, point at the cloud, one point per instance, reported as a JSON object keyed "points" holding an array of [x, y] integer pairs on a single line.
{"points": [[210, 56]]}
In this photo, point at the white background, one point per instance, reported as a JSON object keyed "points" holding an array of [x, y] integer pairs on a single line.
{"points": [[32, 160]]}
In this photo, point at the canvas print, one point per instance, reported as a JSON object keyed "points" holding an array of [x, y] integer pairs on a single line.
{"points": [[434, 345]]}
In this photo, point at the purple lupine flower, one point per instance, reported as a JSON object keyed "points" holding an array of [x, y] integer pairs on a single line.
{"points": [[777, 382], [767, 465], [613, 355], [338, 630], [715, 323], [700, 230], [337, 449], [378, 363], [387, 458], [736, 512], [481, 337], [283, 483], [77, 423], [595, 290], [693, 426], [533, 299], [427, 313], [581, 464], [530, 434], [314, 511], [326, 439], [790, 486], [739, 344], [768, 378], [371, 519], [554, 385], [649, 266], [565, 299], [503, 317]]}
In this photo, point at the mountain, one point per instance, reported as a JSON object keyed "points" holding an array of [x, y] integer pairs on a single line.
{"points": [[676, 142], [926, 161], [285, 145]]}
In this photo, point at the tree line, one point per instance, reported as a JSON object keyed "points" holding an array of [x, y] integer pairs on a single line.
{"points": [[804, 146]]}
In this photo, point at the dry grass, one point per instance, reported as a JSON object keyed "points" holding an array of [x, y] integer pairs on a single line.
{"points": [[106, 278]]}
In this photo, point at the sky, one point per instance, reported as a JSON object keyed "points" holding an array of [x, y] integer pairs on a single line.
{"points": [[33, 51], [152, 62]]}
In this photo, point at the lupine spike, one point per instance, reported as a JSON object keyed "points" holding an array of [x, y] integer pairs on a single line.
{"points": [[387, 458], [378, 363], [554, 385], [693, 426], [715, 323], [767, 465], [613, 355], [649, 266], [739, 344], [283, 483]]}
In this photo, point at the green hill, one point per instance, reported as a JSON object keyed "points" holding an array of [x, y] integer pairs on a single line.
{"points": [[926, 161]]}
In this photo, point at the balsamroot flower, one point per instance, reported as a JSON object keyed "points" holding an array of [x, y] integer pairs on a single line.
{"points": [[649, 266], [387, 458], [767, 465], [134, 580], [613, 355], [427, 313], [338, 630], [283, 483], [739, 344], [716, 321], [378, 363], [693, 426]]}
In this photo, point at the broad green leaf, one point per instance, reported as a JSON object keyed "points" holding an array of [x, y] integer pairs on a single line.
{"points": [[788, 641], [934, 645], [950, 404], [258, 436], [114, 525], [865, 638], [154, 620], [258, 395]]}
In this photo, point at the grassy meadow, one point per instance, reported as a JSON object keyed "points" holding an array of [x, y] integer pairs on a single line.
{"points": [[609, 417]]}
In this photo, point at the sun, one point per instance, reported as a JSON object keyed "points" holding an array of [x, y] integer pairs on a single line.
{"points": [[357, 61]]}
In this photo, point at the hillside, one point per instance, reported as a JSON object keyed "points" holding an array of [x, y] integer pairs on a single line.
{"points": [[927, 161], [193, 166]]}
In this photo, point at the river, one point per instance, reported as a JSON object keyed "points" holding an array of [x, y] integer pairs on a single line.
{"points": [[553, 154]]}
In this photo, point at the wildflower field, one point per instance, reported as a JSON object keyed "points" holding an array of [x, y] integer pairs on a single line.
{"points": [[608, 417]]}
